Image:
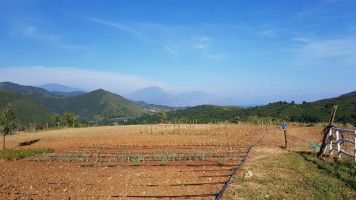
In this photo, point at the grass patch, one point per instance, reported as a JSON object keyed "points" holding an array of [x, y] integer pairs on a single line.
{"points": [[343, 169], [295, 175], [10, 154]]}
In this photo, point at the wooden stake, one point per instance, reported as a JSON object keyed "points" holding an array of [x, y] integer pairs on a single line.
{"points": [[332, 115]]}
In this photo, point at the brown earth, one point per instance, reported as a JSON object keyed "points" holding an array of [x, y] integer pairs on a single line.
{"points": [[193, 162]]}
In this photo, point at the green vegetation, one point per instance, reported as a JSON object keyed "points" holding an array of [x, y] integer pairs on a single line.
{"points": [[36, 106], [26, 110], [294, 176], [90, 164], [314, 112], [100, 106], [7, 121], [69, 119], [343, 169], [161, 115], [21, 89], [202, 114], [10, 154]]}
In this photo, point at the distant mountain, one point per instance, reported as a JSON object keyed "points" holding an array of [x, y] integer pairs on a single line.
{"points": [[68, 93], [60, 88], [22, 89], [26, 110], [349, 94], [100, 105], [156, 95], [194, 98]]}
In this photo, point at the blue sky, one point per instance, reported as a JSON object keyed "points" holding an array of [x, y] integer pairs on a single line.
{"points": [[255, 52]]}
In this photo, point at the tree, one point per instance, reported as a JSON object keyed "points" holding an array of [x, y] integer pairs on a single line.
{"points": [[69, 119], [56, 120], [237, 120], [7, 121], [162, 115]]}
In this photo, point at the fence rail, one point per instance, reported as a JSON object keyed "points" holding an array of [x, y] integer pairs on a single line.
{"points": [[337, 131]]}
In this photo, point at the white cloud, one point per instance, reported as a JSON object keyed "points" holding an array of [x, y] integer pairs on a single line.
{"points": [[201, 46], [74, 77], [33, 32], [205, 39], [115, 25], [170, 50], [268, 33], [343, 49], [56, 40]]}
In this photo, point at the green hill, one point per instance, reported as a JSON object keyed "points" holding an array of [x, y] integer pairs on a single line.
{"points": [[314, 112], [203, 113], [101, 104], [22, 89], [98, 105], [26, 110]]}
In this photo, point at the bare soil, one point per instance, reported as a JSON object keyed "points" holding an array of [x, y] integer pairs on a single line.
{"points": [[192, 162]]}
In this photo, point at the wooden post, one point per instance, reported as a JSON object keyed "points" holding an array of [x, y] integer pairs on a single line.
{"points": [[285, 136], [326, 132], [285, 139], [332, 116]]}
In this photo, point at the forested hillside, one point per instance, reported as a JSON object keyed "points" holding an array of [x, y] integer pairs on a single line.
{"points": [[26, 110], [313, 112]]}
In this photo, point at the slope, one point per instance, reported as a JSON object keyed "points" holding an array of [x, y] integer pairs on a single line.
{"points": [[201, 114], [59, 88], [313, 112], [99, 105], [26, 110], [22, 89]]}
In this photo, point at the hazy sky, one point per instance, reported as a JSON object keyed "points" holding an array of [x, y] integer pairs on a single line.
{"points": [[254, 51]]}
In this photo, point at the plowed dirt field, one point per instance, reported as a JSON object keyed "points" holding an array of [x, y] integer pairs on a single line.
{"points": [[131, 162]]}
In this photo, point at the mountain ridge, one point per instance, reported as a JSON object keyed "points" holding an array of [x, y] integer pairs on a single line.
{"points": [[157, 95], [99, 105]]}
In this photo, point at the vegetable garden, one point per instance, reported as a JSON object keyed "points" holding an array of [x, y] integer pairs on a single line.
{"points": [[130, 161]]}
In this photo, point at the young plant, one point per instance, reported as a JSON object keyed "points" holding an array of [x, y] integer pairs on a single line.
{"points": [[117, 157], [222, 162], [90, 164]]}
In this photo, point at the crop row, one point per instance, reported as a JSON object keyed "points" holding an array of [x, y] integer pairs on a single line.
{"points": [[134, 157]]}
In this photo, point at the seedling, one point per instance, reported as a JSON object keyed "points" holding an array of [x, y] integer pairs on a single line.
{"points": [[222, 162], [90, 164]]}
